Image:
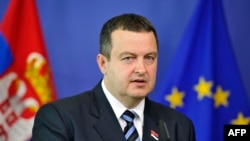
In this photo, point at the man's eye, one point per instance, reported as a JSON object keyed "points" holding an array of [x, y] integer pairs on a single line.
{"points": [[149, 58], [127, 58]]}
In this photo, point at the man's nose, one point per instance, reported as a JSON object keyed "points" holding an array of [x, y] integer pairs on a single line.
{"points": [[140, 66]]}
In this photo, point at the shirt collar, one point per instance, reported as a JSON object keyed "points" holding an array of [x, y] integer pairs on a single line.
{"points": [[119, 108]]}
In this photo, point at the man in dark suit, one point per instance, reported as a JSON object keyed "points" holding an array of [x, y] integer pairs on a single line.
{"points": [[117, 109]]}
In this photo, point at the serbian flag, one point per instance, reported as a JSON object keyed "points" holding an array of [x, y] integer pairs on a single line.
{"points": [[25, 76]]}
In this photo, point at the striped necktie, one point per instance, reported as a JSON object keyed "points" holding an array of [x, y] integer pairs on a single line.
{"points": [[130, 131]]}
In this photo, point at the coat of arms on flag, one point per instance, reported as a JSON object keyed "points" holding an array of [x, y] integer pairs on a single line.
{"points": [[25, 75]]}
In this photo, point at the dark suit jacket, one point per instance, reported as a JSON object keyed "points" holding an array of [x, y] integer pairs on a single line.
{"points": [[89, 117]]}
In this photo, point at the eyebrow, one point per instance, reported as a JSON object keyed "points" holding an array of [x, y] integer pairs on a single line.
{"points": [[152, 53], [131, 53], [126, 53]]}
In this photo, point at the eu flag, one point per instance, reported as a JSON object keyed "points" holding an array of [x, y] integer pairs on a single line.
{"points": [[203, 81]]}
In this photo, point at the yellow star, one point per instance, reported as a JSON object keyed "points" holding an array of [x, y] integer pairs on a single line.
{"points": [[175, 98], [203, 88], [241, 120], [220, 97]]}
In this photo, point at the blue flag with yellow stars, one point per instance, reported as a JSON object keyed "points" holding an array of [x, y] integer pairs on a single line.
{"points": [[203, 81]]}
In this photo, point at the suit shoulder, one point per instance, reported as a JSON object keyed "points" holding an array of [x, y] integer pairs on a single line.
{"points": [[169, 113], [70, 103]]}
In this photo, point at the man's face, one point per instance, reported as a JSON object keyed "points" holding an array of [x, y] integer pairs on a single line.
{"points": [[131, 70]]}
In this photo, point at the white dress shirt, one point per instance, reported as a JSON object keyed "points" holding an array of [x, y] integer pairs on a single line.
{"points": [[119, 109]]}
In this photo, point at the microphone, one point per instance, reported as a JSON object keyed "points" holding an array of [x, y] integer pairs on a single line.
{"points": [[164, 134]]}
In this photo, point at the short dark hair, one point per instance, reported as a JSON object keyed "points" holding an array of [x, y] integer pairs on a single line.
{"points": [[130, 22]]}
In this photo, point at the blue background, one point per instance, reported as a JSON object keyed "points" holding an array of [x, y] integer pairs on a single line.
{"points": [[71, 34]]}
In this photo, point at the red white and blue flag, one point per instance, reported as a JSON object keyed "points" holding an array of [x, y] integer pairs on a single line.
{"points": [[25, 75]]}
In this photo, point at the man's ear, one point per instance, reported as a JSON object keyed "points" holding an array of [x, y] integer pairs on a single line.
{"points": [[102, 63]]}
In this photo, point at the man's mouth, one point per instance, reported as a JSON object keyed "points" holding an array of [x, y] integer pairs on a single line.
{"points": [[140, 82]]}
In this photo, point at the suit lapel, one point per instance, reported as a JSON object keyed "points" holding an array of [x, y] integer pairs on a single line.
{"points": [[106, 124], [109, 129], [150, 129]]}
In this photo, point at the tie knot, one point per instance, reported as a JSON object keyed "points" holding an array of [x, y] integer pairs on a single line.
{"points": [[128, 116]]}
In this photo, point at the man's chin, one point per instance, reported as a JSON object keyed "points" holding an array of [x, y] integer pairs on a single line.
{"points": [[139, 95]]}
